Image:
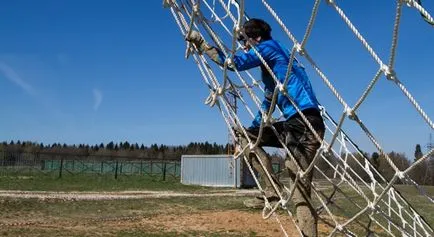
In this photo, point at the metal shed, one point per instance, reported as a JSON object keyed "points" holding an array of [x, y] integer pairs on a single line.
{"points": [[215, 171]]}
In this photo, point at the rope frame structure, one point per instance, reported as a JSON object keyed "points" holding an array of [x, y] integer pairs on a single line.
{"points": [[377, 207]]}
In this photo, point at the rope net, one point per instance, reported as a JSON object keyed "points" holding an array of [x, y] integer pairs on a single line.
{"points": [[352, 198]]}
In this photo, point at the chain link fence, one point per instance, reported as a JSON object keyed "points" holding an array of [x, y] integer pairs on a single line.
{"points": [[59, 164]]}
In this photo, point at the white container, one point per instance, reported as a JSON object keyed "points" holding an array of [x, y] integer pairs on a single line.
{"points": [[215, 171]]}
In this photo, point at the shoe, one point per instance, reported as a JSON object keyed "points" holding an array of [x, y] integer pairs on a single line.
{"points": [[259, 202]]}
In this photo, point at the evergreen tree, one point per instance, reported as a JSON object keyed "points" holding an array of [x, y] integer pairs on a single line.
{"points": [[110, 146], [375, 160], [417, 153], [126, 145]]}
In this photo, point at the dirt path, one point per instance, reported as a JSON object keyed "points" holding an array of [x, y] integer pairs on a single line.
{"points": [[119, 195], [236, 222]]}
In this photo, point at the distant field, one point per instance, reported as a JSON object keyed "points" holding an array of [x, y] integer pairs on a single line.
{"points": [[163, 216]]}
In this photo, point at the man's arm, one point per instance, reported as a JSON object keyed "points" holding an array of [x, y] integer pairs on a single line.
{"points": [[242, 61], [247, 60]]}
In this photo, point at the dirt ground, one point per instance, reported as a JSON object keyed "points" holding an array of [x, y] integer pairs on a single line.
{"points": [[242, 222], [200, 223]]}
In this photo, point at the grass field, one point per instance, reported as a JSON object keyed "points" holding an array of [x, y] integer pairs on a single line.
{"points": [[92, 182], [166, 216]]}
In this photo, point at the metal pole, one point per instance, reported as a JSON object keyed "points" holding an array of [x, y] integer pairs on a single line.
{"points": [[116, 170], [61, 168], [164, 170]]}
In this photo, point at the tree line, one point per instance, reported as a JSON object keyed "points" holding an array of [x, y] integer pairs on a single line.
{"points": [[115, 150], [380, 166]]}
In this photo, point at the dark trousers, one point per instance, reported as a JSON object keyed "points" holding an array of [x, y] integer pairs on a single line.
{"points": [[303, 145]]}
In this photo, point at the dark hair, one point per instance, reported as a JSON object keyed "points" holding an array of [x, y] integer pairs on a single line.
{"points": [[257, 27]]}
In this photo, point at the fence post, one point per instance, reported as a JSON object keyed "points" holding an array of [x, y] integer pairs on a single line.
{"points": [[3, 158], [164, 170], [61, 168], [116, 170]]}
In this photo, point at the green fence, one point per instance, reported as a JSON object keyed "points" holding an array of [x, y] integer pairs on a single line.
{"points": [[16, 164], [137, 167]]}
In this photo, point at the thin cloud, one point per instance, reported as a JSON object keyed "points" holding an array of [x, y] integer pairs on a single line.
{"points": [[13, 76], [97, 99]]}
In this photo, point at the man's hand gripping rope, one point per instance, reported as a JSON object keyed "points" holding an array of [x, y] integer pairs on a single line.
{"points": [[204, 47]]}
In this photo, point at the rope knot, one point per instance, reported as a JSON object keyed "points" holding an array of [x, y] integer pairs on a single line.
{"points": [[409, 3], [196, 8], [267, 119], [388, 72], [229, 62], [299, 49], [237, 29], [167, 3], [350, 113], [211, 100], [400, 174], [330, 2], [371, 206], [255, 83], [281, 87], [323, 148], [251, 146]]}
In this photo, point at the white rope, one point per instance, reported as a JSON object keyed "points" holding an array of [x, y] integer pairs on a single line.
{"points": [[382, 204]]}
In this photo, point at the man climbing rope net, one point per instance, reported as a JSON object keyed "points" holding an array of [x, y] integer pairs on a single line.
{"points": [[293, 132]]}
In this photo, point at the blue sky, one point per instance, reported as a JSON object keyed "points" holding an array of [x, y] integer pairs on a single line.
{"points": [[100, 71]]}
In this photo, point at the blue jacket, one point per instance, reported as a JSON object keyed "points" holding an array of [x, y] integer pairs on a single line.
{"points": [[277, 58]]}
